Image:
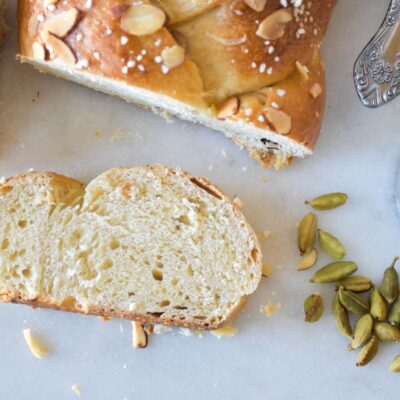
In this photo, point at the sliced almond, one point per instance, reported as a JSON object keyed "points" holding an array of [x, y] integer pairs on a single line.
{"points": [[59, 49], [47, 3], [38, 51], [304, 71], [256, 5], [142, 19], [139, 337], [280, 121], [61, 23], [38, 349], [316, 90], [308, 260], [33, 25], [228, 108], [173, 56], [273, 27]]}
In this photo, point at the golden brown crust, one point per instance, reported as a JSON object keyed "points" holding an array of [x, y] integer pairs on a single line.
{"points": [[208, 43], [102, 34], [8, 295], [149, 318], [3, 26], [225, 57]]}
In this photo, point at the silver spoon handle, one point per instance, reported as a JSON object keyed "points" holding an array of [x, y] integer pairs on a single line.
{"points": [[377, 69]]}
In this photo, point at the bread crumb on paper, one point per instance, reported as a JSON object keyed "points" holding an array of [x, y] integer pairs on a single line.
{"points": [[120, 135], [270, 308], [266, 269], [225, 331], [76, 389]]}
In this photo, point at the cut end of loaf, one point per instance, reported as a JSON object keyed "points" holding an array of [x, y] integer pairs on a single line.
{"points": [[264, 145], [150, 244]]}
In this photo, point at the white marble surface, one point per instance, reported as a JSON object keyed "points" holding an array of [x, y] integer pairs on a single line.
{"points": [[276, 358]]}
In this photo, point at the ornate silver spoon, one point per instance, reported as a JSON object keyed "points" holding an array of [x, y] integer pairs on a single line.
{"points": [[377, 70]]}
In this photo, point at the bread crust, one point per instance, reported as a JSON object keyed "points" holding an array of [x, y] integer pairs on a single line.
{"points": [[212, 70], [12, 296], [3, 26]]}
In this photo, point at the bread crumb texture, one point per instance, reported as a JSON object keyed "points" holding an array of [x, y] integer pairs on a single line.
{"points": [[149, 243]]}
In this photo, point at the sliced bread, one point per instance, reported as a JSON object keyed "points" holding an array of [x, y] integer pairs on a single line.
{"points": [[150, 244]]}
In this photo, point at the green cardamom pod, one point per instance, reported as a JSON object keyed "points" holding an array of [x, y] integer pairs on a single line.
{"points": [[355, 283], [368, 352], [386, 332], [353, 302], [307, 233], [334, 271], [378, 305], [313, 308], [394, 315], [328, 201], [390, 283], [341, 318], [362, 331], [395, 365], [308, 260], [331, 245]]}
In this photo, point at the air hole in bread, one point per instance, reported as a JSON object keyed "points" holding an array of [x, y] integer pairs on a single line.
{"points": [[107, 264], [157, 275], [217, 297], [26, 272], [189, 270], [156, 314], [164, 303], [200, 317], [13, 256], [180, 308], [77, 234], [174, 281], [4, 244], [206, 188], [254, 254], [69, 302], [114, 244], [131, 294], [22, 223], [21, 253], [159, 265], [184, 219]]}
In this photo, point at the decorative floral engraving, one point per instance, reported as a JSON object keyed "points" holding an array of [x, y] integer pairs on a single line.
{"points": [[378, 79]]}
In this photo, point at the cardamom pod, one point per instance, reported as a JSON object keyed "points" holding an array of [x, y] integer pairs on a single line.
{"points": [[390, 283], [386, 332], [378, 305], [353, 302], [394, 315], [395, 365], [334, 271], [328, 201], [307, 233], [355, 283], [313, 308], [308, 260], [341, 318], [368, 352], [331, 245], [362, 331]]}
